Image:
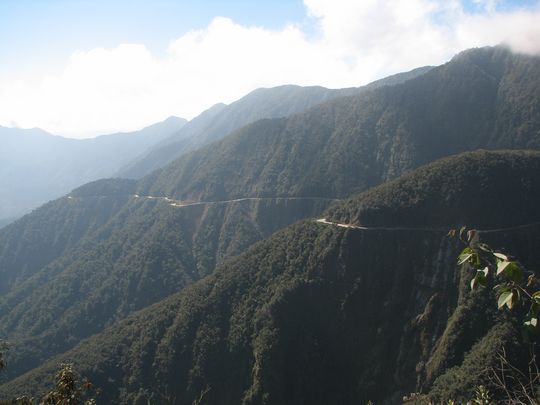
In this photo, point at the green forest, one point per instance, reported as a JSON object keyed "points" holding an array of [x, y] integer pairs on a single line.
{"points": [[215, 279]]}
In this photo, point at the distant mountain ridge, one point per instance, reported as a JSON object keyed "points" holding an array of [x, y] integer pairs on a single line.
{"points": [[483, 98], [142, 249], [36, 166], [220, 120]]}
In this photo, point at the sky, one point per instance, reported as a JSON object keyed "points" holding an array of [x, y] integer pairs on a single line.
{"points": [[81, 68]]}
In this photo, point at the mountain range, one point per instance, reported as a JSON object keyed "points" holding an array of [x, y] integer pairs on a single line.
{"points": [[36, 166], [162, 289]]}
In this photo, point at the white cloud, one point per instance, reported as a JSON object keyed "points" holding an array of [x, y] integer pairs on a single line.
{"points": [[125, 88]]}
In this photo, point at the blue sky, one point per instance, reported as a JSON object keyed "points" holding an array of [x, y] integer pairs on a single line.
{"points": [[41, 34], [83, 68]]}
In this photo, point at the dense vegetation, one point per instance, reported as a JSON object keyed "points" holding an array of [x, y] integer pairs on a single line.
{"points": [[220, 120], [395, 203], [484, 98], [319, 314], [145, 252]]}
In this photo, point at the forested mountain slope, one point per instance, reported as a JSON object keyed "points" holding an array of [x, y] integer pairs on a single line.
{"points": [[483, 98], [319, 314], [36, 166], [221, 120], [103, 265], [145, 248], [35, 240], [439, 188]]}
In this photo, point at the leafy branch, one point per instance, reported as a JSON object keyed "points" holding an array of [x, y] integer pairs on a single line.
{"points": [[514, 285]]}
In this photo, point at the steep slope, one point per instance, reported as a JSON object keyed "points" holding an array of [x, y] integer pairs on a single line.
{"points": [[483, 98], [320, 314], [96, 272], [221, 120], [332, 150], [37, 239], [396, 203], [169, 148], [36, 166]]}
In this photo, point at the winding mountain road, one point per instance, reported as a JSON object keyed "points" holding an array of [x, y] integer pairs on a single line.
{"points": [[180, 203], [323, 221]]}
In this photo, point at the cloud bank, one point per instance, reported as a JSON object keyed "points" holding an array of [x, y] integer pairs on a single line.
{"points": [[343, 43]]}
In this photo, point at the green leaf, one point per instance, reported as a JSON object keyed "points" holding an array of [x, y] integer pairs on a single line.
{"points": [[465, 255], [512, 271], [505, 299], [464, 258], [501, 266], [500, 256], [479, 278]]}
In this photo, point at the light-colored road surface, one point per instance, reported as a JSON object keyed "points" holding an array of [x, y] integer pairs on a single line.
{"points": [[323, 221], [180, 203], [326, 222]]}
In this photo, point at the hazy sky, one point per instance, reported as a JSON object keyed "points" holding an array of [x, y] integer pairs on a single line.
{"points": [[81, 68]]}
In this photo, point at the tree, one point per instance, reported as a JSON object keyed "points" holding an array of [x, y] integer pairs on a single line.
{"points": [[3, 349], [513, 284], [68, 390], [515, 287]]}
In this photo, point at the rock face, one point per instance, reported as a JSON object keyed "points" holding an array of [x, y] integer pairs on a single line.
{"points": [[319, 314]]}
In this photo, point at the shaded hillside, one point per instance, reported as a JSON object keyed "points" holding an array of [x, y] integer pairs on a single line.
{"points": [[146, 251], [150, 248], [319, 314], [169, 148], [221, 120], [438, 190], [37, 239], [36, 167], [352, 143]]}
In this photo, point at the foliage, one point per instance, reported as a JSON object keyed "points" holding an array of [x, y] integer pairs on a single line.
{"points": [[221, 120], [307, 315], [68, 389], [144, 251], [513, 284], [350, 144], [432, 196], [3, 349], [515, 288]]}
